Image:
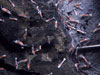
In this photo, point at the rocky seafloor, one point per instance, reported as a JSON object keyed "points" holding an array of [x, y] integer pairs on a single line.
{"points": [[37, 35]]}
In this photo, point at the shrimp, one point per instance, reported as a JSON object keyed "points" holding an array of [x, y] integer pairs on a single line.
{"points": [[6, 10]]}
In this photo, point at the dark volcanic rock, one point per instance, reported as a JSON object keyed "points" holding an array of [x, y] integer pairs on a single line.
{"points": [[39, 32], [44, 44]]}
